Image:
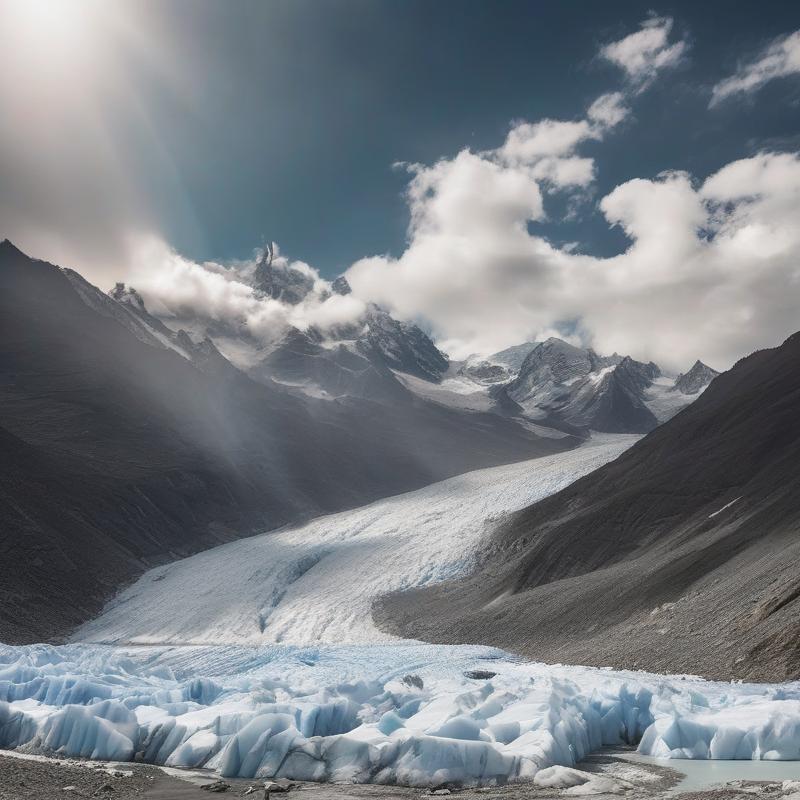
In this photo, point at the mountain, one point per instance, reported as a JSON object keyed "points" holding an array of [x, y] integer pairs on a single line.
{"points": [[513, 357], [362, 363], [401, 346], [557, 384], [126, 444], [281, 281], [695, 379], [551, 384], [679, 556]]}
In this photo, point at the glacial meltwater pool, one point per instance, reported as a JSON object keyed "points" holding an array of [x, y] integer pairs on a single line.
{"points": [[703, 774]]}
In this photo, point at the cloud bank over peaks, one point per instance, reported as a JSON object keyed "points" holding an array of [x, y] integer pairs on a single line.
{"points": [[223, 300], [711, 271]]}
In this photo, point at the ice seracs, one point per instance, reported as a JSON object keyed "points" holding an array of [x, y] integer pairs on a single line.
{"points": [[345, 713]]}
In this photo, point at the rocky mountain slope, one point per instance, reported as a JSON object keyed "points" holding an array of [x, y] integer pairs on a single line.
{"points": [[127, 444], [681, 555], [559, 385], [552, 384]]}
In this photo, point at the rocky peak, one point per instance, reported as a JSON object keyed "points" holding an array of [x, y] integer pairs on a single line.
{"points": [[697, 378], [128, 295], [281, 281], [341, 286], [636, 375], [601, 362], [402, 346], [555, 360]]}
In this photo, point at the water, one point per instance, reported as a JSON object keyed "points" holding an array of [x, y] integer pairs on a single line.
{"points": [[699, 775]]}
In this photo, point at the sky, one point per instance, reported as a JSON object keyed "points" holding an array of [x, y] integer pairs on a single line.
{"points": [[622, 174]]}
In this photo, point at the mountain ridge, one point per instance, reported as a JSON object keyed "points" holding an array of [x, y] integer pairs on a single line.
{"points": [[158, 455], [680, 556]]}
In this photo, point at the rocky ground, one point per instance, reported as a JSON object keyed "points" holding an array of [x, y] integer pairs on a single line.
{"points": [[613, 776]]}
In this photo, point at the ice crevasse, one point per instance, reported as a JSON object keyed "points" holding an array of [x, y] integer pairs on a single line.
{"points": [[409, 714]]}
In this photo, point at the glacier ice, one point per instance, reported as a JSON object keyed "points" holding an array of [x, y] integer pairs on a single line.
{"points": [[345, 713], [317, 582], [260, 659]]}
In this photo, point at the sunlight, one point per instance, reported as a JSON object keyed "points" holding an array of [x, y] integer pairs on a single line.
{"points": [[48, 30]]}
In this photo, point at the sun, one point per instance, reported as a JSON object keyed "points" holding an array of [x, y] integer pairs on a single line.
{"points": [[46, 33]]}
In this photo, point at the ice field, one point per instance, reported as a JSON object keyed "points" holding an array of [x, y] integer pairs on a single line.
{"points": [[413, 714], [260, 659], [316, 583]]}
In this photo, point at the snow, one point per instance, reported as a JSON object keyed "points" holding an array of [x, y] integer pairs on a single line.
{"points": [[453, 392], [664, 401], [726, 506], [391, 713], [317, 583]]}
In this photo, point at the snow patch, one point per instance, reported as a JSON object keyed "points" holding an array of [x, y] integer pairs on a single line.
{"points": [[727, 505]]}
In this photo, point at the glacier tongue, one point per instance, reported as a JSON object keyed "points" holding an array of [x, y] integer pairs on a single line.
{"points": [[401, 713], [317, 582]]}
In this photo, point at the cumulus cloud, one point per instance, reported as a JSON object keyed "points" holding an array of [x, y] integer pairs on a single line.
{"points": [[712, 270], [643, 54], [779, 59], [547, 148], [708, 271], [221, 298]]}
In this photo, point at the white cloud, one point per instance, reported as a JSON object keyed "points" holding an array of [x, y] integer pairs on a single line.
{"points": [[204, 294], [547, 147], [642, 55], [779, 59], [573, 171], [527, 142], [608, 110], [712, 271]]}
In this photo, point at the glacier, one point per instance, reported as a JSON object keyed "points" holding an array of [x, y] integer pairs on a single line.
{"points": [[393, 713], [260, 658], [317, 582]]}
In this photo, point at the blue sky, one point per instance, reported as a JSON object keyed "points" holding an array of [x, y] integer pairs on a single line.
{"points": [[310, 103], [208, 127]]}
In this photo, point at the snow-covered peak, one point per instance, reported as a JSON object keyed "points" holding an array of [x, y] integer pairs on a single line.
{"points": [[128, 295], [554, 361], [280, 280], [568, 385], [402, 346]]}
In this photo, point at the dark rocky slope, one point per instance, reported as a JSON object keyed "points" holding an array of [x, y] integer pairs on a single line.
{"points": [[681, 555], [117, 452]]}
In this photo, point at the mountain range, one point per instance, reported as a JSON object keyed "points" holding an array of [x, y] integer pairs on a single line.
{"points": [[127, 444], [130, 441], [553, 384], [679, 556]]}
